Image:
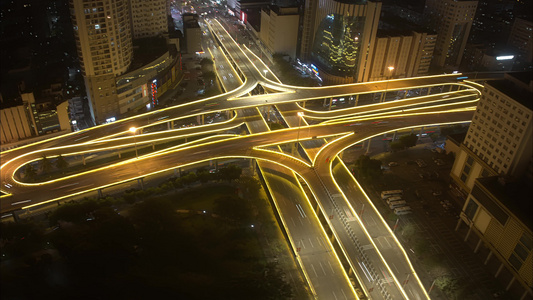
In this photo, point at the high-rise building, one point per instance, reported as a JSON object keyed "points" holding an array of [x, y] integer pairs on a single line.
{"points": [[492, 174], [149, 18], [103, 34], [338, 38], [452, 20], [279, 29], [521, 38], [409, 54]]}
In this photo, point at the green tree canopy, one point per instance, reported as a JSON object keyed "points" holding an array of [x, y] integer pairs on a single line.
{"points": [[408, 140], [61, 163], [46, 165], [367, 167], [230, 172], [29, 172]]}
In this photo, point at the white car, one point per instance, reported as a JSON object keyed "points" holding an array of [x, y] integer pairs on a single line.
{"points": [[224, 77]]}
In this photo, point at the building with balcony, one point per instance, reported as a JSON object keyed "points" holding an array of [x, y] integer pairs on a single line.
{"points": [[492, 175]]}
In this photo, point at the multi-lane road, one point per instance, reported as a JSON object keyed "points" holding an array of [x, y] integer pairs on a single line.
{"points": [[376, 261]]}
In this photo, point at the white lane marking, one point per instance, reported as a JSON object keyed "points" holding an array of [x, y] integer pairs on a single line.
{"points": [[322, 268], [80, 187], [395, 268], [319, 242], [294, 223], [311, 243], [301, 210], [302, 242], [331, 267], [315, 271], [344, 294], [334, 295]]}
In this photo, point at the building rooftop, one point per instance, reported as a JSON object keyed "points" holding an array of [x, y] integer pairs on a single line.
{"points": [[514, 194], [393, 25], [518, 86]]}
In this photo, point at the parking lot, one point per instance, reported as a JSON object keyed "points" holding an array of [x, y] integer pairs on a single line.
{"points": [[428, 233]]}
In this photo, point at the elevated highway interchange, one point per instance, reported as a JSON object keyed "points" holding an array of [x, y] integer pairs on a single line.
{"points": [[315, 183]]}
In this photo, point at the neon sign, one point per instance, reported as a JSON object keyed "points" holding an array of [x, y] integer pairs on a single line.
{"points": [[154, 92]]}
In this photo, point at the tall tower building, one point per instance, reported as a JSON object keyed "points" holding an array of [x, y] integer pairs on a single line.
{"points": [[103, 34], [492, 174], [500, 137], [149, 18], [338, 37], [452, 20]]}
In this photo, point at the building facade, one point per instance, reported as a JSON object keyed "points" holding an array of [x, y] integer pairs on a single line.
{"points": [[279, 29], [149, 18], [521, 39], [338, 38], [492, 174], [452, 20], [410, 55], [103, 34]]}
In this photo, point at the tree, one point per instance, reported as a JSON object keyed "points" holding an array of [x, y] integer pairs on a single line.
{"points": [[61, 163], [251, 184], [396, 146], [29, 172], [46, 165], [367, 167], [230, 172], [409, 140]]}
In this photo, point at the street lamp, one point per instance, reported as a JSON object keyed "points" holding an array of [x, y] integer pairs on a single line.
{"points": [[387, 87], [134, 131]]}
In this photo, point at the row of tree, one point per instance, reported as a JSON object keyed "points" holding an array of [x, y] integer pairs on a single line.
{"points": [[45, 166]]}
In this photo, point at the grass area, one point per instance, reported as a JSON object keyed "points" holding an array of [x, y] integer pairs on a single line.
{"points": [[151, 250], [201, 198]]}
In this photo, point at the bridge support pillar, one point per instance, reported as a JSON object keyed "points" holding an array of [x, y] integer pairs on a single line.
{"points": [[100, 194], [119, 155], [405, 94], [141, 183], [332, 238], [203, 119], [153, 146], [394, 136], [330, 101], [303, 104], [368, 146], [477, 246], [356, 100], [175, 171], [325, 99], [468, 233], [499, 271], [488, 258], [168, 126], [83, 159], [16, 217]]}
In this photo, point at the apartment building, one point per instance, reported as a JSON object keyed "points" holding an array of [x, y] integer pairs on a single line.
{"points": [[279, 29], [149, 18], [492, 172], [452, 20]]}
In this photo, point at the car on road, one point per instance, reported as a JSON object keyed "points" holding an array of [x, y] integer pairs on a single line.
{"points": [[393, 164]]}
